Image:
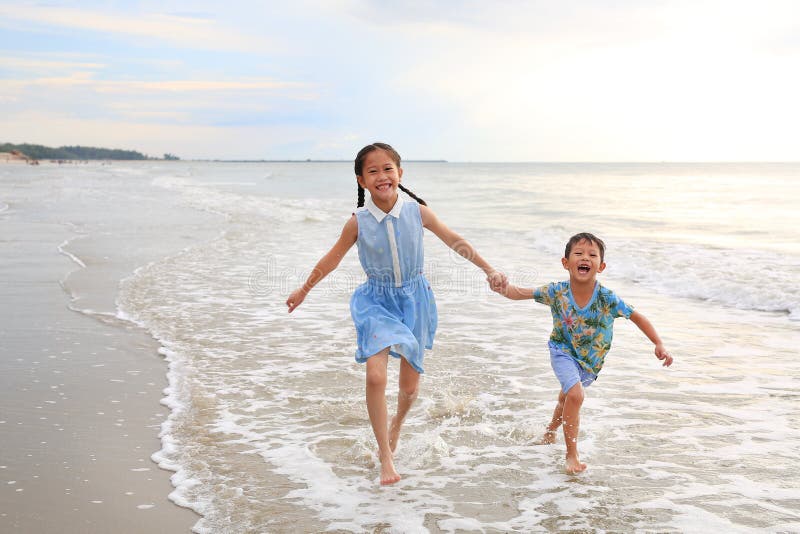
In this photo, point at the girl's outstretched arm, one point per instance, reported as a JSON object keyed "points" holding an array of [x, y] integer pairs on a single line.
{"points": [[650, 331], [328, 263], [450, 238]]}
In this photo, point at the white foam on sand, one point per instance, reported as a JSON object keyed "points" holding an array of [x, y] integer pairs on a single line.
{"points": [[62, 248]]}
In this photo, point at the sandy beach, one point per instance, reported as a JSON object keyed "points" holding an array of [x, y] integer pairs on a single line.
{"points": [[80, 392]]}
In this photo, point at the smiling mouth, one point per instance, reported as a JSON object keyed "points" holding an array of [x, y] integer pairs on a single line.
{"points": [[383, 187], [583, 269]]}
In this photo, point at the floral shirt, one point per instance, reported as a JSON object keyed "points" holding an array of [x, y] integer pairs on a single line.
{"points": [[586, 332]]}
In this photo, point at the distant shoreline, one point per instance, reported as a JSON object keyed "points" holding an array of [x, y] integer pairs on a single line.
{"points": [[308, 160], [34, 152]]}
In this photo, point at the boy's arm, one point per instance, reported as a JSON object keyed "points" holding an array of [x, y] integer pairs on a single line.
{"points": [[650, 331], [326, 264], [496, 279], [515, 292]]}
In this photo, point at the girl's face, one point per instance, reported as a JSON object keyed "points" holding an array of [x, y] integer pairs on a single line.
{"points": [[584, 262], [380, 175]]}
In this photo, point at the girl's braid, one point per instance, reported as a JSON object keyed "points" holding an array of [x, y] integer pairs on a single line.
{"points": [[412, 195], [360, 202], [407, 191]]}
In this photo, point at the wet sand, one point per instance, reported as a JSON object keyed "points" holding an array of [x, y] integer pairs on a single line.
{"points": [[80, 395]]}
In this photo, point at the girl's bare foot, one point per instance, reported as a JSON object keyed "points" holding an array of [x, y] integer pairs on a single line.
{"points": [[394, 434], [388, 473], [574, 466], [548, 438]]}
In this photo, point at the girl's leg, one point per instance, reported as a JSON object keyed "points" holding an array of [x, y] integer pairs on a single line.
{"points": [[558, 417], [572, 423], [376, 407], [406, 395]]}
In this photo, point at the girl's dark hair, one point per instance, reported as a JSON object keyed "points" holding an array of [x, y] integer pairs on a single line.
{"points": [[359, 167], [591, 238]]}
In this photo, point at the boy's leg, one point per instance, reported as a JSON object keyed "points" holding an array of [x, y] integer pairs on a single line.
{"points": [[572, 423], [558, 417], [406, 395], [376, 407]]}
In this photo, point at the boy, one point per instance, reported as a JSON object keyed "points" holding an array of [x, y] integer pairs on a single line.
{"points": [[583, 318]]}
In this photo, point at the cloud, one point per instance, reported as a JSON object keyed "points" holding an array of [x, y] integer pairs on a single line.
{"points": [[180, 30], [242, 102], [144, 89], [170, 86], [47, 65]]}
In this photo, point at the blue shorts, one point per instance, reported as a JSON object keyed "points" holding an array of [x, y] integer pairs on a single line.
{"points": [[568, 371]]}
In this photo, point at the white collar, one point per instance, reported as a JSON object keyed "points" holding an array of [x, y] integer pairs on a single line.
{"points": [[379, 214]]}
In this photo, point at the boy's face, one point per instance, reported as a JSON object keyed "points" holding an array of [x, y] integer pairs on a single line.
{"points": [[584, 262]]}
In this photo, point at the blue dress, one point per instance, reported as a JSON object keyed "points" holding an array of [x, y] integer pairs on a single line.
{"points": [[395, 307]]}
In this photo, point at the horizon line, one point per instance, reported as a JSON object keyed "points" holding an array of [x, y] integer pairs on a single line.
{"points": [[440, 160]]}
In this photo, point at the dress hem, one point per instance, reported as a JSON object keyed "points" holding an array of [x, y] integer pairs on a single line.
{"points": [[394, 354]]}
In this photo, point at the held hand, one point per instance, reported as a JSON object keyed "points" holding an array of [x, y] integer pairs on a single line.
{"points": [[296, 298], [497, 281], [662, 354]]}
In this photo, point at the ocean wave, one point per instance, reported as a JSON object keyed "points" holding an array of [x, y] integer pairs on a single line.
{"points": [[747, 279], [208, 196]]}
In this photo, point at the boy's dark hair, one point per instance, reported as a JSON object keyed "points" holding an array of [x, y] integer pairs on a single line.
{"points": [[359, 167], [591, 238]]}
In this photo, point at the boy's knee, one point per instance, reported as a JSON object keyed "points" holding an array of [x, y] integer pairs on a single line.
{"points": [[575, 393], [409, 391]]}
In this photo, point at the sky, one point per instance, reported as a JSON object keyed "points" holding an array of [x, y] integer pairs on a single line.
{"points": [[461, 80]]}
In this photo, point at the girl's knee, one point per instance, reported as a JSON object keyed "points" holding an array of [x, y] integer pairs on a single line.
{"points": [[376, 378], [409, 379]]}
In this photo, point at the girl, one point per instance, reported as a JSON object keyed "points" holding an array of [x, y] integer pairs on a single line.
{"points": [[394, 311]]}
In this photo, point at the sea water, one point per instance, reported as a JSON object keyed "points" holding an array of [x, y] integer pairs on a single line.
{"points": [[268, 429]]}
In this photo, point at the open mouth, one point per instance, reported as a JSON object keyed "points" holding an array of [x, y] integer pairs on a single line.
{"points": [[583, 269], [383, 187]]}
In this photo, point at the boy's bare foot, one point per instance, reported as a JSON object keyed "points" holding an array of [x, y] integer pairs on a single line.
{"points": [[394, 434], [574, 466], [548, 438], [388, 473]]}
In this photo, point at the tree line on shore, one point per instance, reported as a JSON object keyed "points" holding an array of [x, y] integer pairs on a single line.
{"points": [[76, 152]]}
